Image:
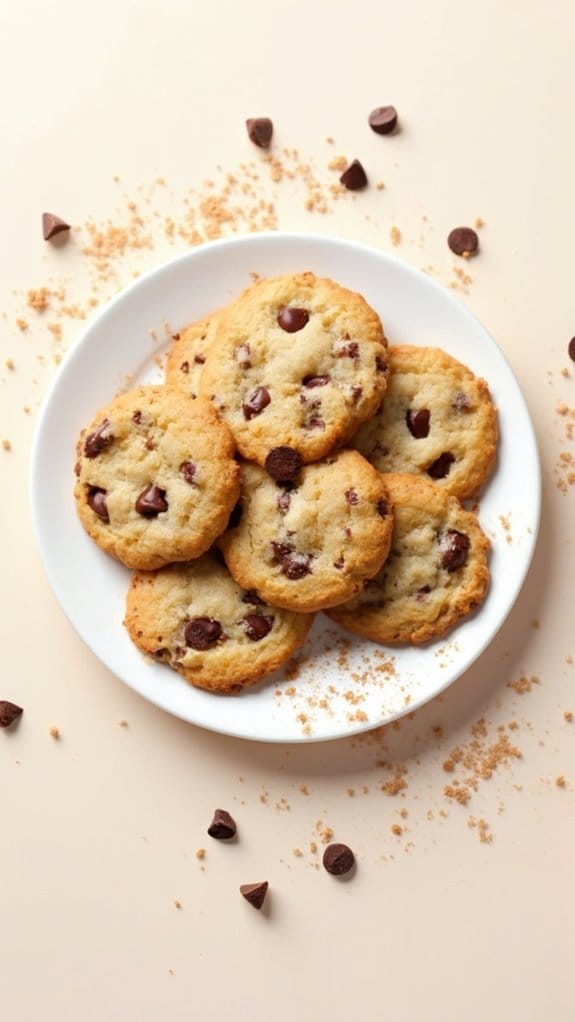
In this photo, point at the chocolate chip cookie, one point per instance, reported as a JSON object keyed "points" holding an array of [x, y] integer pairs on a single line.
{"points": [[195, 618], [156, 477], [435, 574], [311, 540], [437, 420], [188, 353], [297, 361]]}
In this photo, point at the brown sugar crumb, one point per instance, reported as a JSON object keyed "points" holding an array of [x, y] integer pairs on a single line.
{"points": [[9, 364], [396, 829], [457, 793], [568, 715], [200, 853], [395, 235], [479, 222], [38, 299], [6, 445], [56, 330], [523, 684], [177, 904], [297, 852], [560, 781], [351, 792], [313, 847], [325, 833], [337, 163], [506, 527], [483, 832], [304, 789], [449, 766], [122, 723], [380, 185], [22, 324], [330, 139], [55, 732], [569, 659], [437, 731]]}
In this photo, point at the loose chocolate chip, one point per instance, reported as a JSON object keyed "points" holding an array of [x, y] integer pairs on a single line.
{"points": [[260, 131], [257, 626], [350, 350], [188, 470], [315, 381], [137, 418], [185, 367], [354, 177], [202, 632], [283, 502], [251, 596], [291, 319], [255, 893], [236, 516], [380, 364], [53, 225], [383, 120], [454, 547], [257, 401], [421, 593], [461, 402], [223, 826], [439, 468], [382, 508], [463, 241], [9, 712], [418, 422], [97, 501], [338, 859], [199, 359], [283, 463], [97, 441], [351, 496], [151, 501], [571, 349]]}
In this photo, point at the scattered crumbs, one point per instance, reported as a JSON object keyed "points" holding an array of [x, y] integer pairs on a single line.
{"points": [[337, 163], [479, 222], [569, 659], [437, 731], [55, 731], [200, 853], [171, 972], [122, 723], [325, 833], [523, 684], [395, 235], [504, 519], [56, 330], [7, 446], [330, 139], [403, 813], [560, 781], [483, 832], [177, 904], [22, 324], [313, 847], [380, 185], [397, 782], [37, 299], [396, 829], [457, 793], [351, 792], [568, 715], [9, 364], [565, 372], [297, 852], [304, 789]]}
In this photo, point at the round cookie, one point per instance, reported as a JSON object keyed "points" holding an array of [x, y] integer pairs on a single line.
{"points": [[310, 543], [437, 420], [436, 571], [188, 353], [195, 618], [297, 361], [156, 477]]}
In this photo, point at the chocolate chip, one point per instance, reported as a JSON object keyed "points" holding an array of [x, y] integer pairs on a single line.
{"points": [[175, 337], [185, 367], [97, 441], [315, 381], [188, 470], [354, 177], [461, 402], [339, 563], [350, 350], [463, 241], [53, 225], [235, 516], [151, 501], [291, 319], [251, 596], [161, 654], [283, 502], [202, 632], [351, 496], [571, 349], [9, 712], [441, 466], [338, 859], [421, 593], [454, 547], [283, 463], [97, 501], [199, 359], [418, 422], [257, 626], [293, 565], [383, 120], [150, 444], [260, 130], [223, 826], [356, 393], [380, 364], [255, 893], [382, 508], [257, 401], [314, 422], [137, 418], [243, 356]]}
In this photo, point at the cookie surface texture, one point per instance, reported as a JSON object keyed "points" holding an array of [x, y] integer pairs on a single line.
{"points": [[188, 354], [196, 619], [437, 420], [435, 574], [156, 477], [299, 361], [310, 543]]}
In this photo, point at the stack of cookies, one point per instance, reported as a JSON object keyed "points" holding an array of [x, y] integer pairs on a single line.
{"points": [[291, 463]]}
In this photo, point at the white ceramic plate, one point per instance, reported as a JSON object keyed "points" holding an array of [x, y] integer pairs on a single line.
{"points": [[343, 684]]}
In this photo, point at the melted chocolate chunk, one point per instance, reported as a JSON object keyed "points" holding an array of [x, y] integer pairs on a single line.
{"points": [[235, 516], [382, 508], [257, 401], [97, 501], [348, 350], [293, 565], [454, 548], [257, 626], [185, 367], [351, 497], [283, 463], [422, 593], [188, 470], [250, 596], [315, 381], [97, 441], [137, 418], [199, 359], [418, 422], [339, 563], [151, 502], [439, 468], [223, 826], [202, 632], [380, 364], [314, 422], [283, 502], [291, 319]]}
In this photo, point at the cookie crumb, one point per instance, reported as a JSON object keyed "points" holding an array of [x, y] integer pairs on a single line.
{"points": [[177, 904], [7, 446], [379, 185], [337, 163], [568, 715], [38, 299], [22, 324], [479, 222], [9, 364], [122, 723], [55, 732], [560, 781], [297, 852], [523, 684], [395, 235], [200, 853], [396, 829]]}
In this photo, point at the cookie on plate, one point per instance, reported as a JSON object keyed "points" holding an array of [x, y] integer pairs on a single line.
{"points": [[437, 420], [188, 353], [310, 542], [435, 574], [299, 361], [195, 618], [156, 477]]}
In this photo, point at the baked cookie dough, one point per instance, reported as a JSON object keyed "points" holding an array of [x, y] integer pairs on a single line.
{"points": [[188, 353]]}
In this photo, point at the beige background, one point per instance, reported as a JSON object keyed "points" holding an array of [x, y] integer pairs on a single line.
{"points": [[99, 829]]}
